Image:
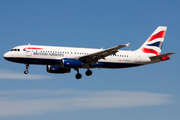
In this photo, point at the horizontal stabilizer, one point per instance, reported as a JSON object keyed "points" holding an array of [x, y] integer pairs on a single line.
{"points": [[162, 55]]}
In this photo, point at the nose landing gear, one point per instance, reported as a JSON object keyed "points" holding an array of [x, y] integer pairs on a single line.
{"points": [[26, 71]]}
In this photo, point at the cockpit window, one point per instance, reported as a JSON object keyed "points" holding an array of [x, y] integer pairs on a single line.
{"points": [[15, 49]]}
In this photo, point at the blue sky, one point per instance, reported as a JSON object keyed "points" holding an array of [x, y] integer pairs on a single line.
{"points": [[146, 92]]}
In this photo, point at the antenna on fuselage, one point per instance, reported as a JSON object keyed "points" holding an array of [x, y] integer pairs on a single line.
{"points": [[29, 44]]}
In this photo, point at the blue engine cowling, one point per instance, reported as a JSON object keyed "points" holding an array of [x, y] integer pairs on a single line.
{"points": [[71, 63], [57, 69]]}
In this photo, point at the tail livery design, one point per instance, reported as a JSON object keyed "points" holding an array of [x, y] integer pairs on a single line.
{"points": [[154, 43]]}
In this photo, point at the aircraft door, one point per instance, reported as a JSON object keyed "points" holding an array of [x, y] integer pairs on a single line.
{"points": [[29, 52], [138, 57]]}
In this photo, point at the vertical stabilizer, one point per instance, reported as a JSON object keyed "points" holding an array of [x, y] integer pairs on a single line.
{"points": [[154, 43]]}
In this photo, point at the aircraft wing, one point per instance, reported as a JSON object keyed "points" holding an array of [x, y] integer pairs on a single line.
{"points": [[94, 57]]}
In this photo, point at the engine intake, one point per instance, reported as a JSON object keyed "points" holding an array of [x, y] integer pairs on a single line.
{"points": [[57, 69]]}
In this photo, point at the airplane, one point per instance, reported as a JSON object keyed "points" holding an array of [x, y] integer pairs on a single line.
{"points": [[62, 59]]}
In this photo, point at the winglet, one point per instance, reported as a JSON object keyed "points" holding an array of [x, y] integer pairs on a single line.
{"points": [[127, 45]]}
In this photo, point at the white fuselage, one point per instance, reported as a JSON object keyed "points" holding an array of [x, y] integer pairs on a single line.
{"points": [[50, 55]]}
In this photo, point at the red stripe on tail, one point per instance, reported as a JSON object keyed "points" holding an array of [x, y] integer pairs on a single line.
{"points": [[160, 34], [146, 50]]}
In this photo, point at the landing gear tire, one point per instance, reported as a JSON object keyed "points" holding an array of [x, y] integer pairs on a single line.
{"points": [[88, 72], [78, 76], [26, 72]]}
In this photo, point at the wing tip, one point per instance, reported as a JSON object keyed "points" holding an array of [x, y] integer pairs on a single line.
{"points": [[128, 44]]}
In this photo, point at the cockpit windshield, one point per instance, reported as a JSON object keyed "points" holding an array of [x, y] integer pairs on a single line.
{"points": [[15, 49]]}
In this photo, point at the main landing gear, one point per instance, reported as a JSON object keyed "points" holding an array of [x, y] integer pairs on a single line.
{"points": [[88, 72], [79, 76], [26, 71]]}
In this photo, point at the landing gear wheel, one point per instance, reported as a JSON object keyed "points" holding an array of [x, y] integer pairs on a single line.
{"points": [[88, 72], [78, 76], [26, 72]]}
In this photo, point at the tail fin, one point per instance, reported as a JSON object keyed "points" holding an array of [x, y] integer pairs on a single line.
{"points": [[154, 43]]}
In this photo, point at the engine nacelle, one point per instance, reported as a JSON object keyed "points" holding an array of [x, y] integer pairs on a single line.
{"points": [[57, 69], [71, 63]]}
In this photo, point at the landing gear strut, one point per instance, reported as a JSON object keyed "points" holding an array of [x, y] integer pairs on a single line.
{"points": [[78, 75], [26, 71]]}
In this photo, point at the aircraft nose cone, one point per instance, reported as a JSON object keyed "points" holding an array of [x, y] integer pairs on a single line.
{"points": [[6, 55], [9, 57]]}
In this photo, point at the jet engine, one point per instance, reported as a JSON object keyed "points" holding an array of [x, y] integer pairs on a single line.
{"points": [[57, 69], [70, 63]]}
